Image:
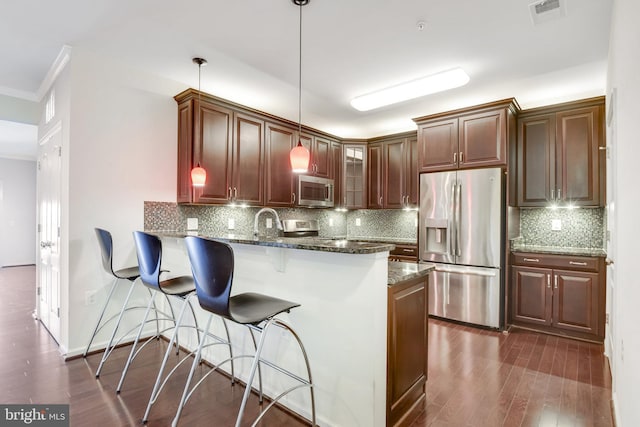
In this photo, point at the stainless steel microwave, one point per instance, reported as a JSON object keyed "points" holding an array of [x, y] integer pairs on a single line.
{"points": [[315, 191]]}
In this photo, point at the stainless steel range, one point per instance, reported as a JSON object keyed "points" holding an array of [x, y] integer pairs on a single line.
{"points": [[300, 227]]}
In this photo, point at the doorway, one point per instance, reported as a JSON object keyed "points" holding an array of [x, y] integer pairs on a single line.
{"points": [[48, 263]]}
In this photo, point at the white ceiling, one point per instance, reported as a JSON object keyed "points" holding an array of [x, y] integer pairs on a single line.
{"points": [[349, 48]]}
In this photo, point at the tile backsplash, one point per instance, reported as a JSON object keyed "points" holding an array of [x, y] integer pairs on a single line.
{"points": [[215, 220], [579, 228]]}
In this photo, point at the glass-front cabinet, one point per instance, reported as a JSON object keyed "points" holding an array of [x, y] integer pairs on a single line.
{"points": [[354, 177]]}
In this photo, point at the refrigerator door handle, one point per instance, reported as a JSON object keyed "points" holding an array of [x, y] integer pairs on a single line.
{"points": [[458, 216], [454, 224]]}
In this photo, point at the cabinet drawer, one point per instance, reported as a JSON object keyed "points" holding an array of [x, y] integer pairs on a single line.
{"points": [[405, 250], [555, 261]]}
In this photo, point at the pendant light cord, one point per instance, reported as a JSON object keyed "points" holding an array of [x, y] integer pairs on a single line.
{"points": [[300, 73]]}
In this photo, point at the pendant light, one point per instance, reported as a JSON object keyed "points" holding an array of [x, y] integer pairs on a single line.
{"points": [[199, 174], [299, 155]]}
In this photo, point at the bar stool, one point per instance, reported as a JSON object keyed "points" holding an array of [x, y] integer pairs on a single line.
{"points": [[131, 274], [149, 252], [212, 265]]}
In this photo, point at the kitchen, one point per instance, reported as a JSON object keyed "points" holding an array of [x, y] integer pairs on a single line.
{"points": [[154, 180]]}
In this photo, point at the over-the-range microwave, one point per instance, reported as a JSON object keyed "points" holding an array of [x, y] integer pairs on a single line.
{"points": [[315, 191]]}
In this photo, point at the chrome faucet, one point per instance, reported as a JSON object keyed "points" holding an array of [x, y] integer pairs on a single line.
{"points": [[255, 220]]}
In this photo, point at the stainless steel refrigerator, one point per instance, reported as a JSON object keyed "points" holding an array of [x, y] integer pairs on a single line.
{"points": [[461, 231]]}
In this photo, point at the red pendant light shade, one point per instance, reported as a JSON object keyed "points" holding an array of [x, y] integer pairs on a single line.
{"points": [[198, 176], [299, 158]]}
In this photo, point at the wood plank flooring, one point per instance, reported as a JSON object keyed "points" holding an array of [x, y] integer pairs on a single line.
{"points": [[484, 378], [476, 377]]}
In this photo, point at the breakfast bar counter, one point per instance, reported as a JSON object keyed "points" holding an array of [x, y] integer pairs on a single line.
{"points": [[342, 321]]}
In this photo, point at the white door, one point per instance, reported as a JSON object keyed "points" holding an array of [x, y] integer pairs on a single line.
{"points": [[48, 275], [610, 327]]}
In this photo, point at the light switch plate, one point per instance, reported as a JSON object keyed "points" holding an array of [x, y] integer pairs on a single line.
{"points": [[358, 222], [269, 223], [556, 225]]}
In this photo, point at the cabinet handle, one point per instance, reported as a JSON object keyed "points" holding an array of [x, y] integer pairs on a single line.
{"points": [[407, 250], [230, 197], [555, 281], [235, 192], [455, 158], [380, 202], [559, 192], [531, 259], [577, 263], [553, 194], [461, 157], [345, 200], [293, 198], [549, 281]]}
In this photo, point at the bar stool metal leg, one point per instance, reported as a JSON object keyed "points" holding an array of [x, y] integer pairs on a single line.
{"points": [[99, 324], [256, 362]]}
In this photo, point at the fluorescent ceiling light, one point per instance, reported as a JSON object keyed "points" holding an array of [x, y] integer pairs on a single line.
{"points": [[410, 90]]}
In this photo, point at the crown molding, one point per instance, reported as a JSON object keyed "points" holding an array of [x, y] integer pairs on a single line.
{"points": [[56, 68]]}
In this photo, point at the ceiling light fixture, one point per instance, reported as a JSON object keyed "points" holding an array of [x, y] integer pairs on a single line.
{"points": [[414, 89], [299, 155], [199, 174]]}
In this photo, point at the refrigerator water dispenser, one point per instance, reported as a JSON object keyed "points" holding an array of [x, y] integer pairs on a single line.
{"points": [[438, 235]]}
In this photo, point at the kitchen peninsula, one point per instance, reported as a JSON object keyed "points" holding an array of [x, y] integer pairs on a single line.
{"points": [[349, 294]]}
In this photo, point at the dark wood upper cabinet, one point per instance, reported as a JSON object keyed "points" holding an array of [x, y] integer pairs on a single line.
{"points": [[467, 138], [438, 145], [321, 157], [374, 176], [559, 155], [248, 160], [335, 168], [279, 180], [354, 176], [393, 172]]}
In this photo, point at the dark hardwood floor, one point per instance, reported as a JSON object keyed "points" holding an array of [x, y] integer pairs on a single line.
{"points": [[483, 378], [476, 377]]}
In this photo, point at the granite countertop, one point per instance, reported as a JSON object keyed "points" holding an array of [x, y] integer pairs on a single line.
{"points": [[595, 252], [402, 271], [308, 243], [392, 240]]}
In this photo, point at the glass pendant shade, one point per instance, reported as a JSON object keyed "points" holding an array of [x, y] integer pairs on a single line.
{"points": [[198, 176], [299, 158]]}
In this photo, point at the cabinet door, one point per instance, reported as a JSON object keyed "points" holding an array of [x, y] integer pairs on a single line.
{"points": [[575, 305], [354, 177], [374, 182], [279, 177], [248, 164], [321, 157], [394, 174], [532, 295], [336, 173], [412, 176], [407, 348], [577, 155], [536, 160], [437, 145], [483, 140], [213, 150], [185, 152]]}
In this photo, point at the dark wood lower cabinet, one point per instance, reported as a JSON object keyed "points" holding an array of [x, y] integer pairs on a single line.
{"points": [[565, 295], [406, 350]]}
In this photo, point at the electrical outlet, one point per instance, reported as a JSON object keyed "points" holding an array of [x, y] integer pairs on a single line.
{"points": [[358, 222], [330, 222], [556, 224], [231, 224], [192, 223], [269, 223], [89, 297]]}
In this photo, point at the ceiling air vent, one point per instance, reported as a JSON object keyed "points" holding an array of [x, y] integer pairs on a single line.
{"points": [[547, 10]]}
